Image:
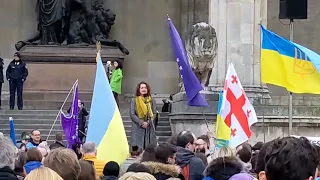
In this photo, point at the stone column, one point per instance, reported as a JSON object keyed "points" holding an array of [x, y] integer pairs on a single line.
{"points": [[192, 12], [237, 26]]}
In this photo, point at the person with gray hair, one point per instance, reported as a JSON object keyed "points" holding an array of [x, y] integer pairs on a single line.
{"points": [[8, 155], [89, 153]]}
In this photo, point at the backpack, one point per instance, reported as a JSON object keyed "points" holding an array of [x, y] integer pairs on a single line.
{"points": [[185, 172]]}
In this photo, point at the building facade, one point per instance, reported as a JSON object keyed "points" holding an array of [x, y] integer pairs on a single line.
{"points": [[141, 25]]}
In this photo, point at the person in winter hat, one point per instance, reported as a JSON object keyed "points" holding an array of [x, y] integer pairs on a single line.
{"points": [[137, 176], [44, 149], [242, 176], [111, 171], [223, 168]]}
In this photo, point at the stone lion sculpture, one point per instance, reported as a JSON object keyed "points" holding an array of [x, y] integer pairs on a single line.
{"points": [[201, 45]]}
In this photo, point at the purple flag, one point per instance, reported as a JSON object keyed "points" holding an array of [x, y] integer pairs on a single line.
{"points": [[191, 83], [70, 122]]}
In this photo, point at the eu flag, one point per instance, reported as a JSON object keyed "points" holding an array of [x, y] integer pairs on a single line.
{"points": [[191, 83]]}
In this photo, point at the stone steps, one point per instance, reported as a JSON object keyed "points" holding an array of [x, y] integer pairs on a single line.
{"points": [[27, 120]]}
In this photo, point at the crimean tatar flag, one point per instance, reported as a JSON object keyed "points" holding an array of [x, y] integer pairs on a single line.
{"points": [[105, 127], [289, 65], [236, 109]]}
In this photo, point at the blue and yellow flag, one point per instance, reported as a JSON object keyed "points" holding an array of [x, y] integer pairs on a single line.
{"points": [[105, 127], [223, 131], [289, 65]]}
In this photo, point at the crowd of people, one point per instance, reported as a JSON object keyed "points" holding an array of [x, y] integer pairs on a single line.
{"points": [[182, 157]]}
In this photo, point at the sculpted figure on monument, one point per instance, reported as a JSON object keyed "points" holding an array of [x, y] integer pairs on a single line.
{"points": [[202, 45], [67, 22]]}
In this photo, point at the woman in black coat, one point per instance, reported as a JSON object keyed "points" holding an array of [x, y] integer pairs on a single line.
{"points": [[1, 78]]}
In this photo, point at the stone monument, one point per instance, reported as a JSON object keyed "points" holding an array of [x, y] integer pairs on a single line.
{"points": [[67, 33], [201, 46]]}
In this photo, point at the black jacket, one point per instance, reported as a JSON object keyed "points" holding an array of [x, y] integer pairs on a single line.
{"points": [[1, 70], [7, 174], [82, 118], [17, 71], [56, 145]]}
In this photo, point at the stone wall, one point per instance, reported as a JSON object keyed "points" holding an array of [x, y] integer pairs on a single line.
{"points": [[268, 127], [141, 26], [17, 22], [305, 31]]}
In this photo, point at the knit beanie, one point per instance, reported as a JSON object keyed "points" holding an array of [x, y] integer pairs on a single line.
{"points": [[137, 176], [242, 176], [43, 148]]}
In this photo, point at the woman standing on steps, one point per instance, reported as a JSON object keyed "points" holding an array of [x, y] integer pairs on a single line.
{"points": [[142, 113], [116, 80], [1, 78]]}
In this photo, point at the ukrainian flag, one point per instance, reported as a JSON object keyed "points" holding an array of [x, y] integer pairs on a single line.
{"points": [[105, 127], [289, 65], [223, 131]]}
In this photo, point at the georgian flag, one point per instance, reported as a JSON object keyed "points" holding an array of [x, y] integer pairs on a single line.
{"points": [[236, 110]]}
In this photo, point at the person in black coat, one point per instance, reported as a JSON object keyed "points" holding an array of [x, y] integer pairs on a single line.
{"points": [[1, 78], [82, 120], [17, 73]]}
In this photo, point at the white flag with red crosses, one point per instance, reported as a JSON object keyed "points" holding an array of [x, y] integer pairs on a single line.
{"points": [[236, 109]]}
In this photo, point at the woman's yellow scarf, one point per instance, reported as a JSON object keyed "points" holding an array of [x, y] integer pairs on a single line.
{"points": [[144, 109]]}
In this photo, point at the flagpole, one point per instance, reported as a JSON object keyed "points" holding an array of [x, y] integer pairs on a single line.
{"points": [[290, 93], [64, 102], [264, 102]]}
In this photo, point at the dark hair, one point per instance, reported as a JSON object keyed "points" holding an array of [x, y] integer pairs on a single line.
{"points": [[138, 89], [184, 138], [87, 171], [19, 163], [260, 164], [203, 157], [254, 159], [245, 153], [223, 168], [136, 151], [120, 66], [163, 151], [206, 139], [24, 134], [34, 131], [59, 136], [172, 140], [137, 167], [17, 54], [257, 146], [291, 158], [148, 154], [34, 154], [1, 62], [23, 145], [111, 169], [171, 97]]}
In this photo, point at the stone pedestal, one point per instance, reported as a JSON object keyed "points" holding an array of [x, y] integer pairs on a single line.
{"points": [[56, 68], [237, 26], [183, 114]]}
